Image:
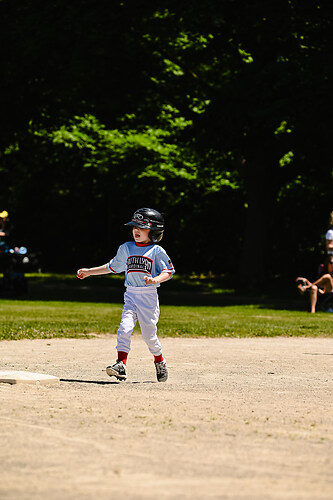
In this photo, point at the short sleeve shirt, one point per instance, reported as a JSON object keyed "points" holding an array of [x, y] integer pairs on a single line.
{"points": [[137, 261], [329, 234]]}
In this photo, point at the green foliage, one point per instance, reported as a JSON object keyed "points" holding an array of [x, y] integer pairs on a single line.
{"points": [[286, 159], [101, 148], [155, 153], [205, 111]]}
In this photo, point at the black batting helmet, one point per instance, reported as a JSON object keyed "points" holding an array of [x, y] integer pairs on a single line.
{"points": [[148, 218]]}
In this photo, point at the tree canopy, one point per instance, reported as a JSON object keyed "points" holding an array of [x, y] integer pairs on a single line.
{"points": [[216, 115]]}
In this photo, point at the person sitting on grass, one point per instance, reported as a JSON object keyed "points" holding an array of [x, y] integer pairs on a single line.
{"points": [[323, 285]]}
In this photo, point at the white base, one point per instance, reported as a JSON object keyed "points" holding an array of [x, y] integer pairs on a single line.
{"points": [[20, 377]]}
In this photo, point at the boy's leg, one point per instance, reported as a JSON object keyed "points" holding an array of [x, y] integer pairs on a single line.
{"points": [[127, 324], [124, 332], [148, 312]]}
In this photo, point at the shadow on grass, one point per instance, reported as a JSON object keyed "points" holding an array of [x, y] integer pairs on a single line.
{"points": [[209, 293]]}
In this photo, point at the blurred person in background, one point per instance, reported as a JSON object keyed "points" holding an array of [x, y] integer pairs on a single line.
{"points": [[323, 284], [4, 228], [329, 236]]}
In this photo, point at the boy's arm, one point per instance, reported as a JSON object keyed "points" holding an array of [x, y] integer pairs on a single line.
{"points": [[92, 271], [164, 276]]}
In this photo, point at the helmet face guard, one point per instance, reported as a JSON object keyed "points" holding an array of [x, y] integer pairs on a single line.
{"points": [[148, 218]]}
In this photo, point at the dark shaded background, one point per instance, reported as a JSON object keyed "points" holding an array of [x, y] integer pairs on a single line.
{"points": [[255, 68]]}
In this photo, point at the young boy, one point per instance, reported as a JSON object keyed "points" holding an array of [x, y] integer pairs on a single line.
{"points": [[146, 266]]}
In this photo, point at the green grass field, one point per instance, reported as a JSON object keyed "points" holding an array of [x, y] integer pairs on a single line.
{"points": [[39, 319], [62, 306]]}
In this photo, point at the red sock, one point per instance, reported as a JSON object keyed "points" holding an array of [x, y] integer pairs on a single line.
{"points": [[158, 359], [122, 356]]}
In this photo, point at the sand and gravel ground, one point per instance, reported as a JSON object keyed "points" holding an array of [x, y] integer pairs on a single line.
{"points": [[238, 419]]}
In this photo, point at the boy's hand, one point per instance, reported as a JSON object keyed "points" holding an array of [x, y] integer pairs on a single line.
{"points": [[149, 280], [165, 275], [82, 273]]}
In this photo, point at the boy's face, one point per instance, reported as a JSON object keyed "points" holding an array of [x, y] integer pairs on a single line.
{"points": [[141, 235]]}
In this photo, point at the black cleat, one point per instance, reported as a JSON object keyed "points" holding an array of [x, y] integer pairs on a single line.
{"points": [[117, 370], [161, 371]]}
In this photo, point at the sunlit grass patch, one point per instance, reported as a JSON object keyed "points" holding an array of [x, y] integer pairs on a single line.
{"points": [[243, 321], [38, 319]]}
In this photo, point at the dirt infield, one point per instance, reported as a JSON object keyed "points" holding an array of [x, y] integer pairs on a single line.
{"points": [[238, 419]]}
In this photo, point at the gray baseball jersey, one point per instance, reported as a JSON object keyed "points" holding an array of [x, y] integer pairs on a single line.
{"points": [[138, 260]]}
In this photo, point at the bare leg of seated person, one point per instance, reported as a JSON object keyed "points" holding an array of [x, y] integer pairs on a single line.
{"points": [[326, 282], [313, 297]]}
